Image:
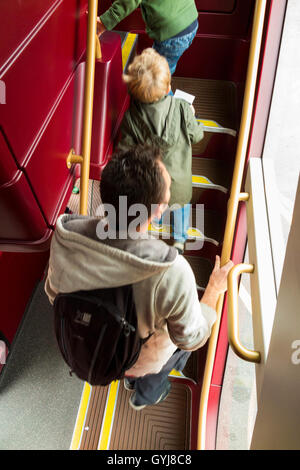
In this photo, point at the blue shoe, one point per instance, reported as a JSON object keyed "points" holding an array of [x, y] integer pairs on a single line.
{"points": [[128, 385], [162, 397]]}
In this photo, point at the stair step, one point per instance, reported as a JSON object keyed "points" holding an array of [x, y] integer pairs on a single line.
{"points": [[210, 174], [215, 100], [210, 233], [202, 269]]}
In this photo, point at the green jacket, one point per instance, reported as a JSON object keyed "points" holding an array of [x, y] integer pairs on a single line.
{"points": [[170, 124], [163, 18]]}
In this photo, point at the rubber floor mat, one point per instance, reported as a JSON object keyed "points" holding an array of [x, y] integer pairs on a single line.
{"points": [[165, 426]]}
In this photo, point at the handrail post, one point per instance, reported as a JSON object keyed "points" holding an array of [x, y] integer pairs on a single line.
{"points": [[88, 104], [235, 197]]}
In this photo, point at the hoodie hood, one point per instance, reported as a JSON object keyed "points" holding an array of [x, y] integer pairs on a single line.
{"points": [[170, 125], [80, 261], [159, 121]]}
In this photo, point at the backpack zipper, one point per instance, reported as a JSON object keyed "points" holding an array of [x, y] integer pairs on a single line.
{"points": [[95, 355]]}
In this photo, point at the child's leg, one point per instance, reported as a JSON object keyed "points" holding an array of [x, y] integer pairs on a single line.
{"points": [[181, 223], [173, 48]]}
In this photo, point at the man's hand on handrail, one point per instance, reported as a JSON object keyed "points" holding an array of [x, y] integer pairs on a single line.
{"points": [[217, 283]]}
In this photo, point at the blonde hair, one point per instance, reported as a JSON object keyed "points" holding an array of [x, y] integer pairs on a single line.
{"points": [[148, 77]]}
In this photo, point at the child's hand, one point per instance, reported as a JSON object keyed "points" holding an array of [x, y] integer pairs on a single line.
{"points": [[100, 26]]}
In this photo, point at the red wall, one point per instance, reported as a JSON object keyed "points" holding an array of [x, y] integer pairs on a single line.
{"points": [[41, 45]]}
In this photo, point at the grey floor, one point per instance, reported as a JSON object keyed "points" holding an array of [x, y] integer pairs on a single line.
{"points": [[38, 398]]}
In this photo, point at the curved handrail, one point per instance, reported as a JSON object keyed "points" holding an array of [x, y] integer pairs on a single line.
{"points": [[235, 197], [93, 51], [233, 314]]}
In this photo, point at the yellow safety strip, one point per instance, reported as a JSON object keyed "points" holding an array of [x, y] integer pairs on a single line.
{"points": [[214, 126], [176, 373], [203, 181], [126, 49], [108, 417], [192, 232], [209, 123], [83, 407]]}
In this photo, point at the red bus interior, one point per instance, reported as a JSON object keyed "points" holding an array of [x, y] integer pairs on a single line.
{"points": [[42, 63]]}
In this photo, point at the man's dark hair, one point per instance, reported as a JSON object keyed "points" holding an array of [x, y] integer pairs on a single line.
{"points": [[136, 174]]}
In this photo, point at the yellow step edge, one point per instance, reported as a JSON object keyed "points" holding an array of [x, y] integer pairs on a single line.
{"points": [[109, 414], [213, 126], [193, 233], [81, 416], [204, 182], [127, 46]]}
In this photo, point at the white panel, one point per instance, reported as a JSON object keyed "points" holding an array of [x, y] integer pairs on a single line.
{"points": [[263, 292], [278, 418]]}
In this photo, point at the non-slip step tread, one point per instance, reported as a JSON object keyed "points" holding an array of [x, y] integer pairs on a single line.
{"points": [[165, 426], [216, 171], [214, 99], [94, 417]]}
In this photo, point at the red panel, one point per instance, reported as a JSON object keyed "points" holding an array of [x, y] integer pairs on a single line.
{"points": [[224, 6], [19, 273], [8, 167], [267, 76], [236, 23], [34, 79], [212, 417], [21, 218], [46, 169], [21, 17], [219, 58], [110, 100]]}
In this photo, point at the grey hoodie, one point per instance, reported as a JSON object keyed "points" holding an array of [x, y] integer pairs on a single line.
{"points": [[164, 286]]}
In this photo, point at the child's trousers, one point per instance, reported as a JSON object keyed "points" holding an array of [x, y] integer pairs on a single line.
{"points": [[180, 222], [173, 48]]}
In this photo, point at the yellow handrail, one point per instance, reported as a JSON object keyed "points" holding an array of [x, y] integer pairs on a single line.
{"points": [[233, 314], [93, 51], [235, 197]]}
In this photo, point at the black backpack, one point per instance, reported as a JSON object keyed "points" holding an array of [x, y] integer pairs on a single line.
{"points": [[97, 333]]}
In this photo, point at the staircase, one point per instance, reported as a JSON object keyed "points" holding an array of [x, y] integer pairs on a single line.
{"points": [[105, 419]]}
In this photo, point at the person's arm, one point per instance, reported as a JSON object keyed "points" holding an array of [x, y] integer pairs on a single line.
{"points": [[194, 127], [116, 13], [217, 283], [189, 321]]}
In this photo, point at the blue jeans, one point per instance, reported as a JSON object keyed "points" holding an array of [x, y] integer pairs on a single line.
{"points": [[180, 221], [150, 387], [173, 48]]}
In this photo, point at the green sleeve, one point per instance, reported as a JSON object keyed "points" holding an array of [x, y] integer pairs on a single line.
{"points": [[194, 127], [117, 12]]}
